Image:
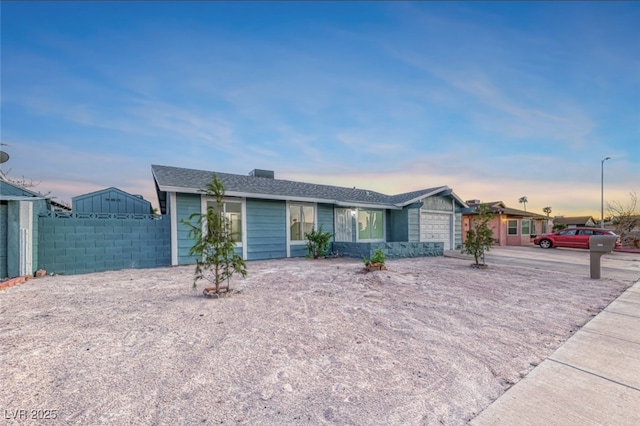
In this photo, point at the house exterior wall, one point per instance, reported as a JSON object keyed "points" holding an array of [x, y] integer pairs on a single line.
{"points": [[70, 245], [398, 225], [266, 229], [19, 220], [326, 219], [500, 224], [110, 200], [391, 250], [4, 216], [413, 224], [20, 238], [457, 231], [9, 189], [39, 207], [186, 205]]}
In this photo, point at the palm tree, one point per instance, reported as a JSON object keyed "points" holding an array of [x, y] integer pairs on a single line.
{"points": [[523, 200], [547, 211]]}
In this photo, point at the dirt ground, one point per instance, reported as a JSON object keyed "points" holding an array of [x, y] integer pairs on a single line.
{"points": [[430, 341]]}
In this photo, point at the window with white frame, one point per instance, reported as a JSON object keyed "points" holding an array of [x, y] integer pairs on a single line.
{"points": [[512, 227], [232, 211], [301, 220], [533, 227], [370, 225], [526, 227]]}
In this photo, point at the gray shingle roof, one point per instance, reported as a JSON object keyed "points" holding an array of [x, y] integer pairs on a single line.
{"points": [[499, 206], [575, 220], [191, 180]]}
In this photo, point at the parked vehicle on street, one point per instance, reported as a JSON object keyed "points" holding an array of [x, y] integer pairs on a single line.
{"points": [[572, 238]]}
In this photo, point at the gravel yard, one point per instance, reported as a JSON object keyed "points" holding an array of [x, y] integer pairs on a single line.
{"points": [[430, 341]]}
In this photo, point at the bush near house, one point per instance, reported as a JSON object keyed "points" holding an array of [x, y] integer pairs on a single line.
{"points": [[317, 242]]}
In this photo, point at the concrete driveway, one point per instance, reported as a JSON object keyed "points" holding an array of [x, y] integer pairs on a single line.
{"points": [[624, 266]]}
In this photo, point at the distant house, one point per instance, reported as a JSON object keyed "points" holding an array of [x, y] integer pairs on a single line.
{"points": [[574, 222], [110, 200], [272, 215], [511, 227]]}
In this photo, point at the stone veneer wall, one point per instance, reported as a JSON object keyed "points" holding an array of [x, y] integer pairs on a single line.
{"points": [[390, 250]]}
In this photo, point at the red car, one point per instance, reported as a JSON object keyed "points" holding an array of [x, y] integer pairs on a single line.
{"points": [[571, 237]]}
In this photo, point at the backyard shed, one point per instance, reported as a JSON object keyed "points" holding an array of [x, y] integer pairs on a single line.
{"points": [[110, 200]]}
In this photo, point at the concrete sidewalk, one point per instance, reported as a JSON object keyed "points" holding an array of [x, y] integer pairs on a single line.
{"points": [[592, 379]]}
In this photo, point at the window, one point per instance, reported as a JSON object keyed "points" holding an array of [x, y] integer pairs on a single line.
{"points": [[343, 226], [301, 218], [544, 226], [232, 210], [512, 227], [533, 227], [525, 227], [370, 225], [569, 232]]}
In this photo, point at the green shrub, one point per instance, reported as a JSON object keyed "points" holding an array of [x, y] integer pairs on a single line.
{"points": [[378, 257], [317, 242]]}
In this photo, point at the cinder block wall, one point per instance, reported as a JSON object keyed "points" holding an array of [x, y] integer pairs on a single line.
{"points": [[77, 246], [391, 250]]}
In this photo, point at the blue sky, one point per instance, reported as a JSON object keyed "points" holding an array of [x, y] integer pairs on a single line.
{"points": [[496, 100]]}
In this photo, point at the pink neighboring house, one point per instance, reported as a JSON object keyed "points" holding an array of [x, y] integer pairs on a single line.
{"points": [[511, 227]]}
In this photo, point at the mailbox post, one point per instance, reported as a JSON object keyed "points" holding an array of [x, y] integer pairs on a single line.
{"points": [[599, 245]]}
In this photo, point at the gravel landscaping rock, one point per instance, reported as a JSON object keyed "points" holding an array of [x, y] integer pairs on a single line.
{"points": [[428, 341]]}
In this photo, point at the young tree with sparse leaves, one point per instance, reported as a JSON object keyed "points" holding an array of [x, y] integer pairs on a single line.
{"points": [[480, 235], [214, 243], [626, 220]]}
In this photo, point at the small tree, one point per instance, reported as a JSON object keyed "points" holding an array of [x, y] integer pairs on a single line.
{"points": [[214, 244], [317, 242], [479, 236], [547, 211], [626, 220]]}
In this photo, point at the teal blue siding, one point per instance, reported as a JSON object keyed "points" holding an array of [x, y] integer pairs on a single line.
{"points": [[266, 229], [110, 200], [413, 221], [39, 206], [398, 225], [298, 250], [325, 218], [186, 205], [4, 215], [8, 189]]}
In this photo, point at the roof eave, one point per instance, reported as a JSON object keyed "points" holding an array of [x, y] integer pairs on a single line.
{"points": [[431, 193]]}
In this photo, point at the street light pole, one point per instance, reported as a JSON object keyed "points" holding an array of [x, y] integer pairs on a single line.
{"points": [[602, 191]]}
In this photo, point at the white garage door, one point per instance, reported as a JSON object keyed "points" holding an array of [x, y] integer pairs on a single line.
{"points": [[435, 227]]}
